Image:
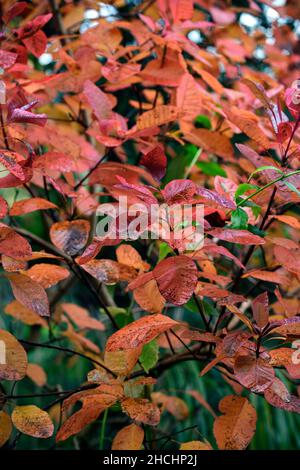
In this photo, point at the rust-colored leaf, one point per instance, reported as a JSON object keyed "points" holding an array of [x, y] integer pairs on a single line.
{"points": [[128, 438], [30, 205], [5, 427], [70, 237], [235, 428], [32, 421], [13, 364], [29, 293], [141, 410], [255, 373], [47, 275], [139, 332]]}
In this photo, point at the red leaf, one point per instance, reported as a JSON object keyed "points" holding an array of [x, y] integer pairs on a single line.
{"points": [[14, 245], [37, 43], [139, 332], [254, 373], [176, 278], [7, 59], [237, 236], [260, 307], [29, 293], [98, 100], [155, 161], [11, 161]]}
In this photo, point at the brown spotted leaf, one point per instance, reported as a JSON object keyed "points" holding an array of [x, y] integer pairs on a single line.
{"points": [[253, 372], [235, 428], [141, 410], [29, 293], [32, 421], [140, 332], [70, 237]]}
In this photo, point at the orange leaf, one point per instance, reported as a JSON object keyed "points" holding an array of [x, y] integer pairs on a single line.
{"points": [[128, 438], [81, 318], [195, 445], [149, 298], [236, 427], [13, 364], [141, 410], [14, 245], [24, 314], [139, 332], [29, 293], [37, 374], [70, 237], [104, 270], [5, 428], [47, 275], [157, 116], [32, 421], [30, 205], [211, 141], [174, 405]]}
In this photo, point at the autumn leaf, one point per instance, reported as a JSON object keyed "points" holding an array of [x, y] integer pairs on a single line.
{"points": [[37, 374], [155, 161], [30, 205], [235, 428], [174, 405], [176, 278], [47, 275], [29, 293], [5, 427], [253, 372], [139, 332], [24, 314], [11, 161], [80, 316], [92, 407], [14, 363], [260, 307], [149, 297], [104, 270], [128, 438], [195, 445], [32, 421], [157, 116], [14, 245], [141, 410], [237, 236], [70, 237]]}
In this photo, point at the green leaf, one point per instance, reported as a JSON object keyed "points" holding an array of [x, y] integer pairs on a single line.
{"points": [[177, 166], [263, 168], [164, 250], [202, 121], [239, 219], [122, 316], [211, 169], [292, 187], [149, 356], [242, 188]]}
